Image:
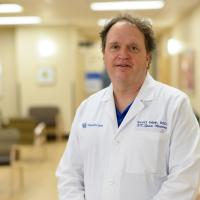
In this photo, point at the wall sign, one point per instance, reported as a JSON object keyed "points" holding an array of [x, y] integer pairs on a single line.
{"points": [[93, 82], [187, 71], [1, 80], [46, 75]]}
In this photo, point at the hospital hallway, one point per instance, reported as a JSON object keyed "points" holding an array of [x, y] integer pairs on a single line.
{"points": [[38, 168]]}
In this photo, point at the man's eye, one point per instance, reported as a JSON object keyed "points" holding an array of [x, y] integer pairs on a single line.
{"points": [[134, 49], [114, 47]]}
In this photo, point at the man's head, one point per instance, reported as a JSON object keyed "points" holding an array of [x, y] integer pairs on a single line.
{"points": [[127, 44], [143, 25]]}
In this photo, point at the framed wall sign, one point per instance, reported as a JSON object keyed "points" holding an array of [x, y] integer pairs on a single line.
{"points": [[1, 80], [93, 82], [187, 71], [46, 75]]}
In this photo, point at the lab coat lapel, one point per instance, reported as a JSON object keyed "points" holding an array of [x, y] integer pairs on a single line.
{"points": [[109, 106], [143, 99], [136, 108]]}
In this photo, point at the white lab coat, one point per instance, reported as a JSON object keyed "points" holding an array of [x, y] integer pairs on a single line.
{"points": [[153, 155]]}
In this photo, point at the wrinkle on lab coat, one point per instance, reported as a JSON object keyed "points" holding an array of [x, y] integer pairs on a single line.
{"points": [[153, 155]]}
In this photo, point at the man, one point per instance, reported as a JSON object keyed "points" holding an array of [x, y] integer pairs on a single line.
{"points": [[138, 139]]}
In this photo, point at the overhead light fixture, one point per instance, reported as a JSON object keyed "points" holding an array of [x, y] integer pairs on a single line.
{"points": [[20, 20], [10, 8], [127, 5]]}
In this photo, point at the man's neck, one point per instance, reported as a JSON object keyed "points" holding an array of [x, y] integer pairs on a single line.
{"points": [[123, 97], [125, 94]]}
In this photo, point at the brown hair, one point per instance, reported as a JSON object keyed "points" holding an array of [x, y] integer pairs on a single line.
{"points": [[143, 25]]}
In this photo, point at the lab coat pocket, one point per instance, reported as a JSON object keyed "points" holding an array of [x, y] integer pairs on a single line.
{"points": [[146, 152], [140, 186]]}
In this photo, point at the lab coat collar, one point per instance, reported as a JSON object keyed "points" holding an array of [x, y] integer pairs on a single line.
{"points": [[145, 94], [108, 100], [142, 100]]}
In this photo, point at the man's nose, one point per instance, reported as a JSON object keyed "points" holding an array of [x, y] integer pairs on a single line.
{"points": [[123, 53]]}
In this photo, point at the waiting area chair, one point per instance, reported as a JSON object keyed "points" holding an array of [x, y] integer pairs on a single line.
{"points": [[26, 127], [9, 139], [49, 116], [30, 131], [32, 135], [10, 154]]}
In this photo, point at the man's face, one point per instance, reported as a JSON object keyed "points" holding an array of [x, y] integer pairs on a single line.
{"points": [[125, 56]]}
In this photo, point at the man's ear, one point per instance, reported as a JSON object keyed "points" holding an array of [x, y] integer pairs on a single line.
{"points": [[103, 57], [148, 59]]}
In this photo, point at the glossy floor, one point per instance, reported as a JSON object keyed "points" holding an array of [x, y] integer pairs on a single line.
{"points": [[38, 165]]}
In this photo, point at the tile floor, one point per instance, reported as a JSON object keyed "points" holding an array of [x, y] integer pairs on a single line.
{"points": [[39, 165]]}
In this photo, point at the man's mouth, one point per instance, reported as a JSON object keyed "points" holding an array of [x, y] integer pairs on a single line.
{"points": [[123, 65]]}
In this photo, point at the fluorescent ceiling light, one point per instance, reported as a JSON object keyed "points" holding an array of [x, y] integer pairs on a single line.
{"points": [[19, 20], [10, 8], [127, 5]]}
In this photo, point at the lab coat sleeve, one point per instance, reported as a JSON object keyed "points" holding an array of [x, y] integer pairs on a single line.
{"points": [[184, 156], [70, 169]]}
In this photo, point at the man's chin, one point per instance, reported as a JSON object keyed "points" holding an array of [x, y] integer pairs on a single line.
{"points": [[120, 79]]}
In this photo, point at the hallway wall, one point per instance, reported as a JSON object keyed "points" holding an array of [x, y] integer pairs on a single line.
{"points": [[20, 61], [9, 94], [187, 31], [64, 62]]}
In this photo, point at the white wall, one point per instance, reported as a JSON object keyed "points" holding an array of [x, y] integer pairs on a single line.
{"points": [[187, 31], [64, 63], [21, 61], [9, 98]]}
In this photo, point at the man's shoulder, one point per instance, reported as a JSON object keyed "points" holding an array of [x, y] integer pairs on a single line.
{"points": [[162, 91], [98, 95], [169, 91], [95, 99]]}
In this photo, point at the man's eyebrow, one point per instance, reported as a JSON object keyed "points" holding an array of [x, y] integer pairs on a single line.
{"points": [[113, 42], [129, 44], [134, 43]]}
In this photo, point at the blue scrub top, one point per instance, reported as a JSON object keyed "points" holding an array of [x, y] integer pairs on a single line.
{"points": [[120, 116]]}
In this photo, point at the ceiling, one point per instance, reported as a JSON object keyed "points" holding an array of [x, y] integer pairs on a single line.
{"points": [[77, 13]]}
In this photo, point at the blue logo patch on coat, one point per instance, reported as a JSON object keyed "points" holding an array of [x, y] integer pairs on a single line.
{"points": [[85, 125]]}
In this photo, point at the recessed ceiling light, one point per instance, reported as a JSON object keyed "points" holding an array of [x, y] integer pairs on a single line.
{"points": [[127, 5], [19, 20], [10, 8]]}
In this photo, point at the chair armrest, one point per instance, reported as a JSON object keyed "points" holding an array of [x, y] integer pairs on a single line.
{"points": [[14, 154], [39, 129]]}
